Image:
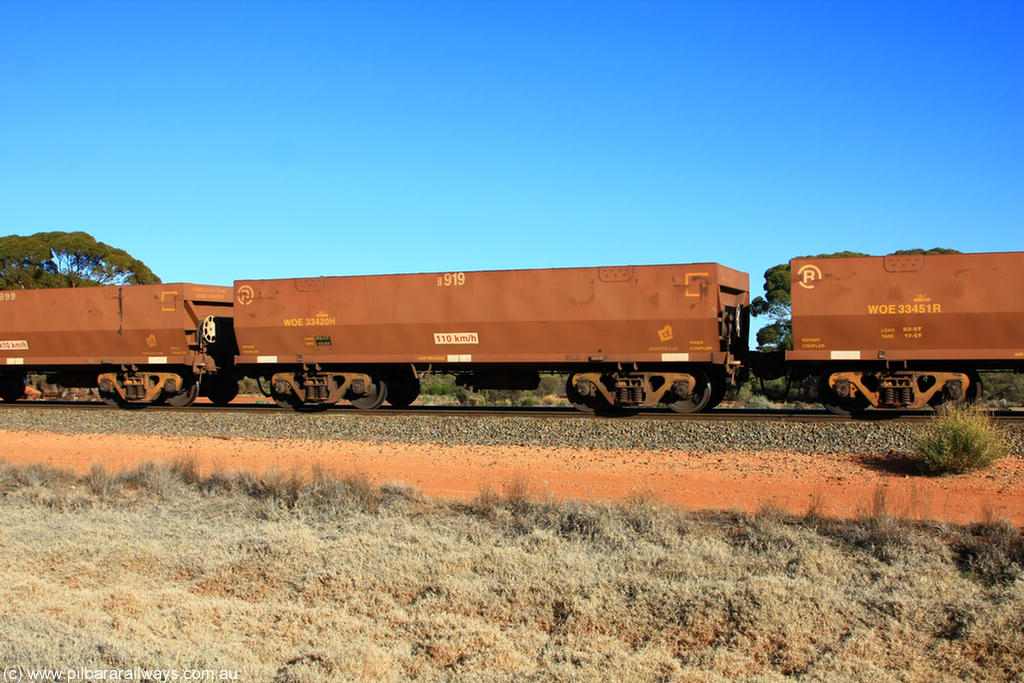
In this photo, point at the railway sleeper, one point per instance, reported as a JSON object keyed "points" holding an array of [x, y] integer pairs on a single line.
{"points": [[320, 388], [139, 387], [634, 389], [906, 390]]}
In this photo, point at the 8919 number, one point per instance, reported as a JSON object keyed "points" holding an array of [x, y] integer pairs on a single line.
{"points": [[451, 280]]}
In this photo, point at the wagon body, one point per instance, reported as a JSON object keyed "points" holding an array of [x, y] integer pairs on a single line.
{"points": [[962, 308], [551, 318], [94, 326], [906, 331], [144, 336], [633, 335]]}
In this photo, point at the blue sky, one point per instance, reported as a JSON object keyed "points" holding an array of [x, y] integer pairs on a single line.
{"points": [[223, 140]]}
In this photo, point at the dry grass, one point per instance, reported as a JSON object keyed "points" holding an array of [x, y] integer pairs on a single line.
{"points": [[337, 579]]}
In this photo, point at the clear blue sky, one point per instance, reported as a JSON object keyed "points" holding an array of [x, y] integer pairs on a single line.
{"points": [[223, 140]]}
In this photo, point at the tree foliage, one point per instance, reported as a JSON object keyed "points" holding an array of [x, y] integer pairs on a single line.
{"points": [[776, 303], [67, 259]]}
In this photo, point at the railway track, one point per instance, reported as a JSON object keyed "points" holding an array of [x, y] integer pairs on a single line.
{"points": [[720, 431], [548, 412]]}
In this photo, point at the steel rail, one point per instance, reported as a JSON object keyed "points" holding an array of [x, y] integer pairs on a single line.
{"points": [[548, 412]]}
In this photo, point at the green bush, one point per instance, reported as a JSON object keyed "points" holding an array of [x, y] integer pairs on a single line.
{"points": [[445, 386], [958, 440], [249, 385], [438, 389], [1005, 389], [758, 402], [551, 385]]}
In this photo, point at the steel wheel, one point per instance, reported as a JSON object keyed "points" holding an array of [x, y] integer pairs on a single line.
{"points": [[718, 389], [373, 400], [287, 400], [125, 404], [12, 387], [578, 402], [221, 390], [972, 395], [402, 391], [977, 389], [584, 404], [698, 400], [837, 405], [185, 397]]}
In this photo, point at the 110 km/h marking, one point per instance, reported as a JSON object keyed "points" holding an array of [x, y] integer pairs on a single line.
{"points": [[456, 338]]}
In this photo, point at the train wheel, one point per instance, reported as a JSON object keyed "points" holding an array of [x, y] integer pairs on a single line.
{"points": [[288, 400], [402, 391], [580, 403], [698, 400], [12, 387], [183, 398], [125, 404], [718, 389], [221, 390], [972, 395], [595, 403], [836, 404], [977, 389], [373, 400]]}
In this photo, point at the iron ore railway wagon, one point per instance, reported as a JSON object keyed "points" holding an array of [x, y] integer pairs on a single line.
{"points": [[631, 336], [905, 331], [137, 344]]}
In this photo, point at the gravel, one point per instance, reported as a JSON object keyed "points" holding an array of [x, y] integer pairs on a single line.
{"points": [[635, 432]]}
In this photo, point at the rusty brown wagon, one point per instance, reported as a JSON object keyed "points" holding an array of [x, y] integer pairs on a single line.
{"points": [[135, 344], [630, 336], [906, 331]]}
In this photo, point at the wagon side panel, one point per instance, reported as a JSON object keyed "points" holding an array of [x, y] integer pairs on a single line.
{"points": [[555, 316], [932, 307]]}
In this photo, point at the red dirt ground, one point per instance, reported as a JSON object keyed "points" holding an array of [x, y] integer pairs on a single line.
{"points": [[841, 486]]}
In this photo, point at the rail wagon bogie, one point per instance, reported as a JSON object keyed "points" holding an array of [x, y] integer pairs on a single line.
{"points": [[136, 345], [906, 331], [630, 336]]}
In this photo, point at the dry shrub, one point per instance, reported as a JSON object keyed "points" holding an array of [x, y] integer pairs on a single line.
{"points": [[815, 506], [99, 482], [186, 468], [579, 522], [336, 495], [651, 519], [486, 502], [16, 476], [879, 512], [992, 551], [958, 440], [517, 491], [157, 480], [772, 508], [276, 486], [394, 492], [218, 481]]}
